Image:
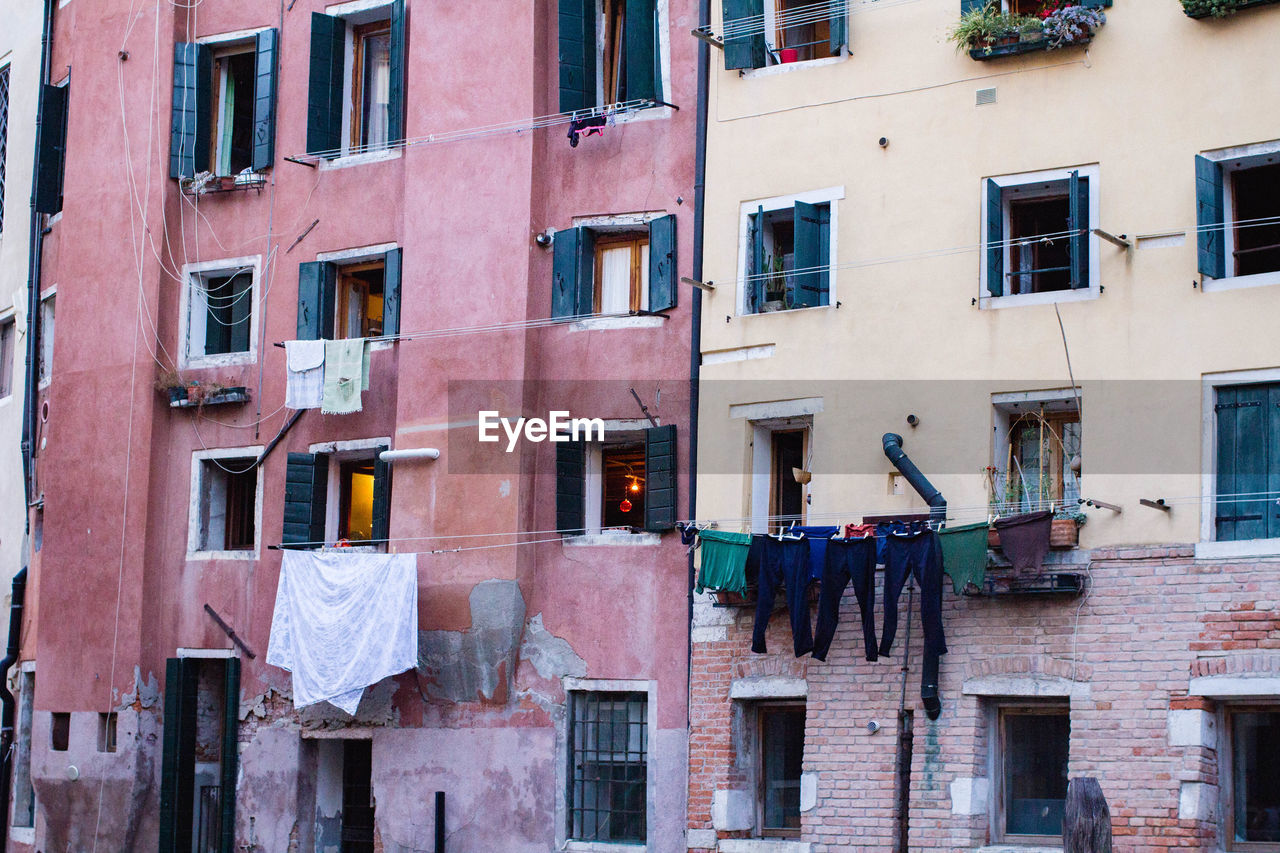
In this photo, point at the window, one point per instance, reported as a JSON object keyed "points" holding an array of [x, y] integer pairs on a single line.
{"points": [[1032, 747], [625, 481], [59, 731], [340, 803], [357, 795], [356, 92], [199, 760], [224, 106], [4, 134], [1037, 235], [107, 724], [779, 446], [356, 296], [1238, 204], [781, 751], [8, 336], [622, 273], [786, 499], [220, 311], [608, 766], [1248, 461], [787, 251], [792, 31], [24, 794], [51, 148], [614, 268], [232, 122], [1037, 458], [1253, 812], [361, 296], [47, 305], [610, 52], [226, 491], [337, 495]]}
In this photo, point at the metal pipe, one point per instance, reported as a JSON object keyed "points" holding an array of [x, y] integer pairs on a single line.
{"points": [[893, 449], [409, 453]]}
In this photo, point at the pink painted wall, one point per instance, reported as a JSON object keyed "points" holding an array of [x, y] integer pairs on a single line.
{"points": [[116, 590]]}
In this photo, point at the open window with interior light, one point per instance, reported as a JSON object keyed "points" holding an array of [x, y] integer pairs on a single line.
{"points": [[356, 93], [1036, 454], [1238, 203], [626, 482], [225, 510], [1251, 777], [343, 495], [1031, 750], [357, 296], [758, 33]]}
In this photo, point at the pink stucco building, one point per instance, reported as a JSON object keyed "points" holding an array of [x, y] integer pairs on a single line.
{"points": [[240, 174]]}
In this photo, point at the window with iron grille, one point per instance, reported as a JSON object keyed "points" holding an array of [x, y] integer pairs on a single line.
{"points": [[608, 758], [4, 134]]}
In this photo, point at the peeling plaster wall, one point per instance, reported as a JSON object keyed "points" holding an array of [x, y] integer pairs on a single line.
{"points": [[479, 664]]}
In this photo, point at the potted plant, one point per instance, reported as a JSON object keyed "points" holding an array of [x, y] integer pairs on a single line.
{"points": [[1210, 8], [775, 284], [986, 28], [1068, 25], [173, 384], [1032, 30]]}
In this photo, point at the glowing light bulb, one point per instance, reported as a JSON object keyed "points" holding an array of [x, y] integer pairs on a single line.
{"points": [[625, 506]]}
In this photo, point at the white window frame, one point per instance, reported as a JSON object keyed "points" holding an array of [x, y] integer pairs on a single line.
{"points": [[563, 755], [338, 452], [1208, 547], [747, 209], [620, 223], [355, 13], [188, 329], [10, 318], [1233, 160], [1093, 291], [194, 504], [764, 419], [48, 309], [358, 255], [771, 35], [224, 44]]}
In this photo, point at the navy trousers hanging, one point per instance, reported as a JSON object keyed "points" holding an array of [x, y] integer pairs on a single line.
{"points": [[849, 562], [783, 564], [917, 555]]}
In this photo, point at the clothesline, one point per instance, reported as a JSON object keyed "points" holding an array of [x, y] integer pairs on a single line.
{"points": [[748, 25], [513, 126], [512, 326]]}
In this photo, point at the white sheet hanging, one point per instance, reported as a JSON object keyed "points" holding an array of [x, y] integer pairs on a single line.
{"points": [[304, 382], [344, 622]]}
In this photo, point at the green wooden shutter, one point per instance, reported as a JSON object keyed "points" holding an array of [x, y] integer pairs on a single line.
{"points": [[571, 487], [573, 273], [1095, 4], [230, 754], [1078, 225], [967, 6], [1271, 507], [391, 292], [240, 310], [317, 296], [660, 477], [381, 498], [839, 26], [266, 61], [306, 489], [812, 253], [178, 756], [1210, 219], [1243, 463], [192, 110], [746, 50], [51, 158], [755, 269], [396, 98], [324, 86], [663, 271], [994, 239], [577, 23], [643, 69]]}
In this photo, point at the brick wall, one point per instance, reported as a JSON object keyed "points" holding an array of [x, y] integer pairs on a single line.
{"points": [[1152, 619]]}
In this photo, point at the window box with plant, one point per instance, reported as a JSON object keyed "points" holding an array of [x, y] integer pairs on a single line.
{"points": [[1219, 8], [183, 392], [1040, 445], [1004, 27]]}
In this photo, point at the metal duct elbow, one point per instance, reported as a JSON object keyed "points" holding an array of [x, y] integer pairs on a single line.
{"points": [[893, 450]]}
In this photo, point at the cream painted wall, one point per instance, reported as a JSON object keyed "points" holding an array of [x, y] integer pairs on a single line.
{"points": [[1153, 90], [20, 50]]}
